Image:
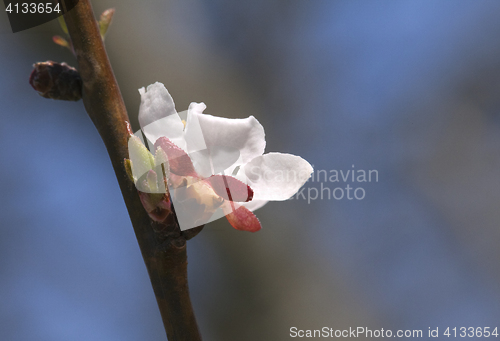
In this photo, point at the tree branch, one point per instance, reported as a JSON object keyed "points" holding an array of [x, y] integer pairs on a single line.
{"points": [[163, 246]]}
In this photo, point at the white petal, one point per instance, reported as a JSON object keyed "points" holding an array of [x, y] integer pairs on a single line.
{"points": [[193, 128], [243, 135], [157, 115], [276, 176], [214, 160], [196, 148], [156, 103], [168, 127], [201, 163]]}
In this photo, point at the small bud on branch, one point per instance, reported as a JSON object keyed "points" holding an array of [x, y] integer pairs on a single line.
{"points": [[56, 81], [61, 41], [105, 21]]}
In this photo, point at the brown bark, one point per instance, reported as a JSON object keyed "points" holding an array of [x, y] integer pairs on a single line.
{"points": [[163, 247]]}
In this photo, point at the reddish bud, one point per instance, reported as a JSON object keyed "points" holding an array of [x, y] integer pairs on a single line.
{"points": [[157, 205], [241, 218], [61, 41], [180, 163], [230, 188]]}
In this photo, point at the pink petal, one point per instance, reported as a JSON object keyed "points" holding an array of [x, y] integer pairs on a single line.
{"points": [[241, 218], [230, 188], [180, 163]]}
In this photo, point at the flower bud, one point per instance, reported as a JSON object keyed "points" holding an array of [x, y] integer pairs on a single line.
{"points": [[56, 81], [105, 21]]}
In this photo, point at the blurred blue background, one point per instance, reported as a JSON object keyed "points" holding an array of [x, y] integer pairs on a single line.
{"points": [[407, 88]]}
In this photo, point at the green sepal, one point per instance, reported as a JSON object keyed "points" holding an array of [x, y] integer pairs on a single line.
{"points": [[162, 159], [140, 158], [152, 180], [63, 24], [105, 21], [128, 169]]}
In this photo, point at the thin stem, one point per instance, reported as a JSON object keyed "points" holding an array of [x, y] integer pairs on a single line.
{"points": [[163, 247]]}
